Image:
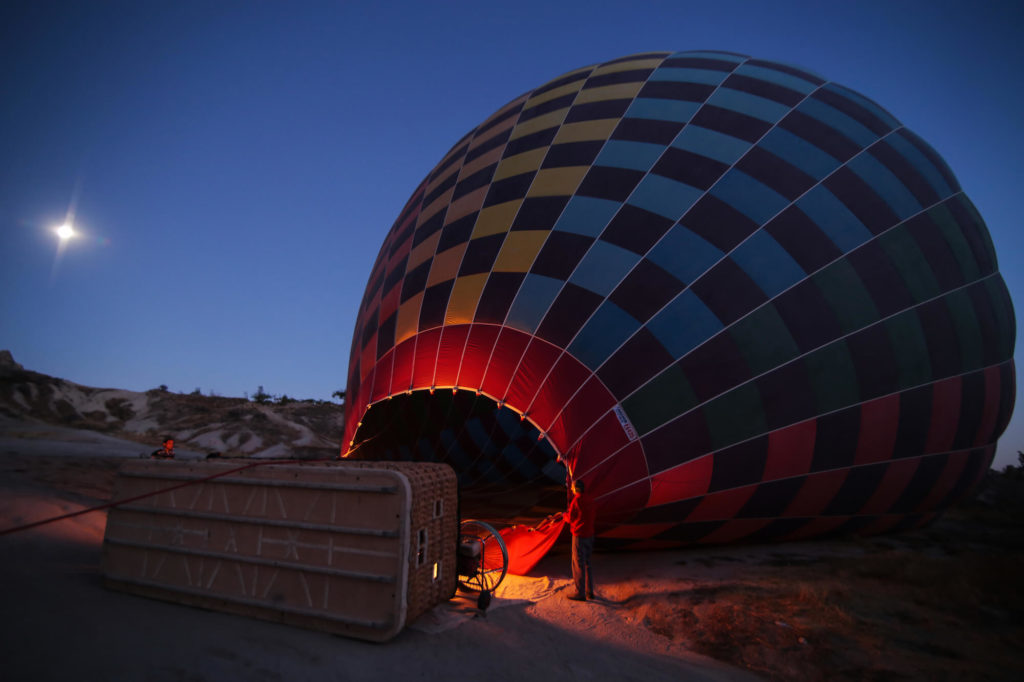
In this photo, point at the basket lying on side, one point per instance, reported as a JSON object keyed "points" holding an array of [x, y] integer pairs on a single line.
{"points": [[356, 549]]}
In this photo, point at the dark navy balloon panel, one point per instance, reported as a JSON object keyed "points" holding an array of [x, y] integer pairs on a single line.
{"points": [[741, 301]]}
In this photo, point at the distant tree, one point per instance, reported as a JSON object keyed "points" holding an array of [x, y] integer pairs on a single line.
{"points": [[163, 387], [1015, 472], [340, 395], [284, 399], [261, 396], [196, 392]]}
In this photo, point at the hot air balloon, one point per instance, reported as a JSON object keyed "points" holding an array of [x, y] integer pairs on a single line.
{"points": [[740, 301]]}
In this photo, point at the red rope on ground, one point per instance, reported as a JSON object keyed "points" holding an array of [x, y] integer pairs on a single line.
{"points": [[183, 484]]}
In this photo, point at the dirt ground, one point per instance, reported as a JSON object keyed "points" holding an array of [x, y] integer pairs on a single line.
{"points": [[942, 603]]}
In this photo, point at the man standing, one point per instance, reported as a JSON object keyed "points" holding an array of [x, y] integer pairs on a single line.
{"points": [[581, 525], [166, 450]]}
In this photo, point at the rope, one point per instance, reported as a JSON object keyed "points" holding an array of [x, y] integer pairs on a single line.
{"points": [[108, 505]]}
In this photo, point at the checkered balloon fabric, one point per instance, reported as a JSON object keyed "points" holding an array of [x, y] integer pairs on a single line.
{"points": [[739, 300]]}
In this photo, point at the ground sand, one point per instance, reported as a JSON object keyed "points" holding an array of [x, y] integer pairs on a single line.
{"points": [[941, 603]]}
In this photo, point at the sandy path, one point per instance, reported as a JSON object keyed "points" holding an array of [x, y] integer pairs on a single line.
{"points": [[60, 622], [939, 603]]}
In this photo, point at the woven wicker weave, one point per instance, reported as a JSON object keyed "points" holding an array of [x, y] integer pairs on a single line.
{"points": [[357, 549]]}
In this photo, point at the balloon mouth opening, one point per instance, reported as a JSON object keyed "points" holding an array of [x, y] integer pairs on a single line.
{"points": [[507, 468]]}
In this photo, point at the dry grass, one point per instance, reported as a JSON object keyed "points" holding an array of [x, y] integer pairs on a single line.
{"points": [[944, 603]]}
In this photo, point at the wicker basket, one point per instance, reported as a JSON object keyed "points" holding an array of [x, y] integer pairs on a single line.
{"points": [[353, 548]]}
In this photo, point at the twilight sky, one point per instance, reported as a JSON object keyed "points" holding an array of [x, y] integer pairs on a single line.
{"points": [[232, 167]]}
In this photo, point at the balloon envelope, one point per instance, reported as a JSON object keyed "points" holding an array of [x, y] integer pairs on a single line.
{"points": [[737, 299]]}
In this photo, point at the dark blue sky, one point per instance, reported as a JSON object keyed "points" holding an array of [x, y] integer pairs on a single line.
{"points": [[234, 166]]}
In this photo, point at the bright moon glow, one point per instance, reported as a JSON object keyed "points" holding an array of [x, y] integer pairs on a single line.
{"points": [[65, 232]]}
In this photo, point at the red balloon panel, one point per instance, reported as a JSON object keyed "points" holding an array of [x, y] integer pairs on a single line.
{"points": [[401, 375], [479, 346], [879, 425], [562, 383], [449, 355], [382, 377], [722, 505], [425, 359], [683, 482], [955, 465], [790, 450], [533, 370], [897, 476], [816, 492], [946, 397], [991, 410], [619, 506], [603, 440], [503, 362], [613, 473], [587, 406]]}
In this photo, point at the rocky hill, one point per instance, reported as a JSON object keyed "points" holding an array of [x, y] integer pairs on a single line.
{"points": [[228, 426]]}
